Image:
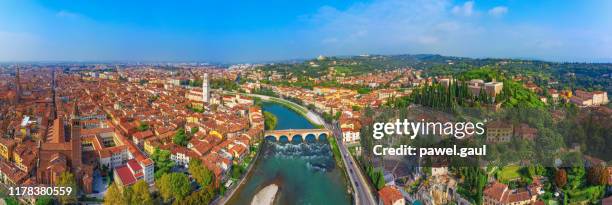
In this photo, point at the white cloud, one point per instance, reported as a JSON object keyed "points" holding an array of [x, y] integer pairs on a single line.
{"points": [[498, 11], [432, 26], [466, 10]]}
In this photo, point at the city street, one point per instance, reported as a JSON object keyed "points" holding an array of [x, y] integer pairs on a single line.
{"points": [[363, 193]]}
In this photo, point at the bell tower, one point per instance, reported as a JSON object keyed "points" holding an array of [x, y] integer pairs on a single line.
{"points": [[18, 85], [205, 88], [75, 137]]}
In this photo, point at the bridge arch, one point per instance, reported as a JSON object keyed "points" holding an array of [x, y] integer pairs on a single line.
{"points": [[283, 139], [323, 137], [310, 138], [297, 138], [270, 138]]}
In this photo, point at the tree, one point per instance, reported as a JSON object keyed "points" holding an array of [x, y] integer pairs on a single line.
{"points": [[203, 196], [67, 179], [114, 196], [11, 201], [575, 176], [143, 126], [136, 194], [270, 120], [561, 178], [180, 138], [236, 171], [474, 181], [127, 194], [194, 130], [380, 180], [200, 173], [364, 90], [174, 185], [45, 200], [196, 82], [139, 193], [163, 164], [535, 170]]}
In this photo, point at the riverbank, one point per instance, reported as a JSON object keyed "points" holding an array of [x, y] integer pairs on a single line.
{"points": [[244, 177], [312, 117], [309, 115], [266, 195], [305, 112]]}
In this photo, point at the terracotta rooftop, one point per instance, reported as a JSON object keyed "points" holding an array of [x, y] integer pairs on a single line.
{"points": [[389, 194], [134, 165], [125, 175]]}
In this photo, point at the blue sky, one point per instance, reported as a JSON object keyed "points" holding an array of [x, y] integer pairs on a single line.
{"points": [[251, 31]]}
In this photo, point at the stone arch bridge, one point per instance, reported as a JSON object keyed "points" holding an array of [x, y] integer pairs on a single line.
{"points": [[297, 135]]}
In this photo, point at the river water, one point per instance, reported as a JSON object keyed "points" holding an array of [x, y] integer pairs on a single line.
{"points": [[306, 173]]}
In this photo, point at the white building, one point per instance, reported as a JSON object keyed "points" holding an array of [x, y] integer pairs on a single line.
{"points": [[350, 135]]}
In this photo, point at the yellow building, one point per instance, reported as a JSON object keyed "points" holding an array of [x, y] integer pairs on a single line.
{"points": [[216, 134], [17, 159], [6, 148], [150, 146]]}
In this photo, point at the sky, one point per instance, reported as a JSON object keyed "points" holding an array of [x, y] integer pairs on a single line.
{"points": [[255, 31]]}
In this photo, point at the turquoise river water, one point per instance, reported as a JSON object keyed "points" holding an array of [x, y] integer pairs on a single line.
{"points": [[306, 173]]}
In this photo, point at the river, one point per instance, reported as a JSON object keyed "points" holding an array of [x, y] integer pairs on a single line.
{"points": [[305, 173]]}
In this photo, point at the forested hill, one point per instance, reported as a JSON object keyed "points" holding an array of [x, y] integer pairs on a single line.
{"points": [[590, 76]]}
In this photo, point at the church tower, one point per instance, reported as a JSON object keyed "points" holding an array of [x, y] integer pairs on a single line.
{"points": [[205, 89], [75, 137], [18, 85]]}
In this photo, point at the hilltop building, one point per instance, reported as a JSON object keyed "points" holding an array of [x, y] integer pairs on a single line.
{"points": [[588, 99], [498, 132], [491, 88], [499, 194]]}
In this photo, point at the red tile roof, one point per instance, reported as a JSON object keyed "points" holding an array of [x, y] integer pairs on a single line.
{"points": [[496, 191], [500, 193], [125, 175], [134, 165], [388, 195], [143, 135]]}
